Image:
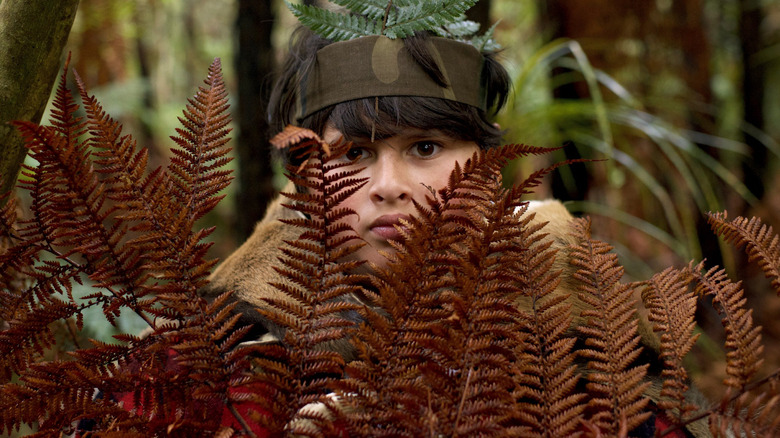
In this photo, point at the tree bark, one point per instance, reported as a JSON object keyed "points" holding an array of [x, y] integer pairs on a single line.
{"points": [[481, 14], [670, 39], [254, 69], [32, 36], [753, 79]]}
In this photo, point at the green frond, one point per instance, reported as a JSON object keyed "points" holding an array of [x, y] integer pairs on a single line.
{"points": [[404, 21], [332, 25], [394, 19], [462, 28], [486, 42], [372, 9]]}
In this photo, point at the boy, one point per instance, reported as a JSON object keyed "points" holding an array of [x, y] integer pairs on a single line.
{"points": [[412, 108]]}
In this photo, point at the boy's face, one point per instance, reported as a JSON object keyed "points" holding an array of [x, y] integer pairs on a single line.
{"points": [[399, 169]]}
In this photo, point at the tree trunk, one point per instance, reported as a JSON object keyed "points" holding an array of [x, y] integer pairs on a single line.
{"points": [[753, 79], [668, 38], [254, 69], [481, 14], [32, 36]]}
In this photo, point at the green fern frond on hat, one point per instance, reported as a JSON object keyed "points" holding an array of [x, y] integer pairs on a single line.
{"points": [[394, 19]]}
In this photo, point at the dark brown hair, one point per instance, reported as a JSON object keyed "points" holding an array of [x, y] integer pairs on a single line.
{"points": [[382, 117]]}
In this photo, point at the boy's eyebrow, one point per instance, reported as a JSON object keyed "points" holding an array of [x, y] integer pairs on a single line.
{"points": [[412, 134], [408, 134]]}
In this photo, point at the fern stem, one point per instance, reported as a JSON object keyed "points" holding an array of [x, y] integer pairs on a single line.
{"points": [[463, 400], [116, 295], [240, 419], [135, 309], [72, 333], [387, 14]]}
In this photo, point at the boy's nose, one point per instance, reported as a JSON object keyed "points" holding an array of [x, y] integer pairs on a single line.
{"points": [[390, 181]]}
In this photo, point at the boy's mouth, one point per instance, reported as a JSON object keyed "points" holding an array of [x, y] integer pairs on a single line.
{"points": [[385, 226]]}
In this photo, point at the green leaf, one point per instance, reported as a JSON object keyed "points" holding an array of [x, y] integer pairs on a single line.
{"points": [[332, 25], [486, 42], [372, 9], [404, 21], [462, 29]]}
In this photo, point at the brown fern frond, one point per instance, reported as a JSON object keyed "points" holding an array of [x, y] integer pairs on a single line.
{"points": [[672, 306], [117, 160], [610, 333], [95, 215], [144, 387], [8, 214], [548, 401], [71, 213], [443, 345], [202, 139], [385, 384], [70, 191], [64, 109], [747, 415], [504, 246], [761, 242], [319, 287], [294, 135], [29, 335], [143, 203], [743, 339]]}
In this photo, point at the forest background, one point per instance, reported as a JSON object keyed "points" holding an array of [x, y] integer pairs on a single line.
{"points": [[682, 99]]}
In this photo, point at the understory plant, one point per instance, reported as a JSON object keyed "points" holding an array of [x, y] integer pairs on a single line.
{"points": [[444, 346]]}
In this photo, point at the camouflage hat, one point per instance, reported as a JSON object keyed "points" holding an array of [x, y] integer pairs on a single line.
{"points": [[378, 66]]}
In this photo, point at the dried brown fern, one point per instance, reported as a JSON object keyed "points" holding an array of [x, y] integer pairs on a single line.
{"points": [[442, 360], [442, 348], [612, 344], [761, 243], [744, 349], [295, 137], [549, 403], [747, 415], [319, 287], [98, 219], [672, 306]]}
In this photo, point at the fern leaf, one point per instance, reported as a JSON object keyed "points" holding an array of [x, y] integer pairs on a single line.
{"points": [[548, 403], [29, 334], [442, 344], [320, 284], [371, 9], [117, 157], [671, 307], [743, 339], [461, 29], [611, 333], [100, 217], [388, 347], [71, 209], [196, 165], [404, 21], [292, 135], [64, 118], [332, 25], [486, 42], [747, 415], [761, 242]]}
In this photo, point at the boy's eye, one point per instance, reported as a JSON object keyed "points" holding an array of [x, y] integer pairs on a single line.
{"points": [[355, 153], [425, 148]]}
